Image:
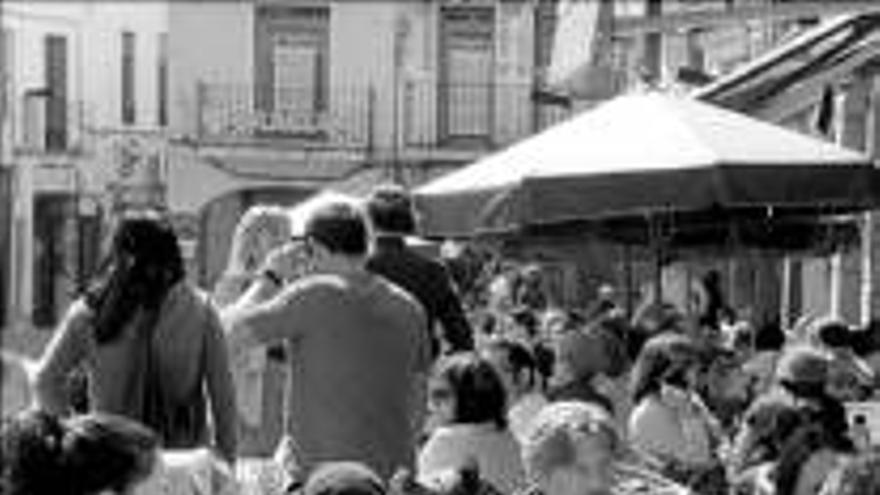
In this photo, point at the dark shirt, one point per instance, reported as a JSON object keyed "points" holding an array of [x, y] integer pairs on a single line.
{"points": [[431, 285]]}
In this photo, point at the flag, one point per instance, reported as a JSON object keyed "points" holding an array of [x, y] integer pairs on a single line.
{"points": [[579, 65]]}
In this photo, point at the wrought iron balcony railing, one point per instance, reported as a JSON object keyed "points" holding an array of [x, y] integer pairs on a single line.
{"points": [[338, 116], [474, 116], [39, 125]]}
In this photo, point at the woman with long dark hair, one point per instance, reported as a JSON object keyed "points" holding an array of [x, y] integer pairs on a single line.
{"points": [[152, 345], [467, 406]]}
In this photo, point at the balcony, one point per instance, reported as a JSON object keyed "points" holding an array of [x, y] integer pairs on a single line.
{"points": [[472, 117], [41, 126], [303, 117]]}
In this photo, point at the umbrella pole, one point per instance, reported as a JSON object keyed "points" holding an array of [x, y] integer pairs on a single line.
{"points": [[628, 279], [659, 243], [658, 274], [656, 242]]}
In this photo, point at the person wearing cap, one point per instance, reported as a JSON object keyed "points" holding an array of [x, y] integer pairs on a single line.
{"points": [[391, 216], [358, 346], [802, 377]]}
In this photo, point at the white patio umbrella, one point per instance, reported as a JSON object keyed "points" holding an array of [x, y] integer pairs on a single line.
{"points": [[640, 154]]}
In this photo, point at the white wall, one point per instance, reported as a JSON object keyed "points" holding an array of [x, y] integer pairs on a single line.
{"points": [[30, 24], [212, 42], [103, 87], [93, 31], [362, 54]]}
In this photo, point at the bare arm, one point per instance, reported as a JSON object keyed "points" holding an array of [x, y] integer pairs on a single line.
{"points": [[221, 390], [67, 349], [258, 319]]}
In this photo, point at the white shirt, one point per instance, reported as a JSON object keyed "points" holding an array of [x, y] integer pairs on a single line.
{"points": [[522, 413], [188, 472], [496, 452]]}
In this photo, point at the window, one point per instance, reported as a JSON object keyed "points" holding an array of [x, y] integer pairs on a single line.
{"points": [[466, 72], [56, 92], [6, 69], [129, 105], [292, 67], [545, 30], [162, 81]]}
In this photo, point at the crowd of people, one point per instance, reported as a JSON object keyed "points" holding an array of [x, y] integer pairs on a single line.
{"points": [[347, 363]]}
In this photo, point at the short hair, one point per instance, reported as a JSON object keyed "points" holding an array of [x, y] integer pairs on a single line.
{"points": [[551, 442], [477, 389], [832, 332], [390, 209], [769, 337], [340, 228]]}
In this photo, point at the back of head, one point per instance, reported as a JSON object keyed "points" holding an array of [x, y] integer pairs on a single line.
{"points": [[831, 332], [390, 210], [31, 455], [552, 438], [803, 370], [344, 478], [340, 228], [477, 389], [108, 452], [769, 337], [42, 455], [142, 266], [663, 359]]}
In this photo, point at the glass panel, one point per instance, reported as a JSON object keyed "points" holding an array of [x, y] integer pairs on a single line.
{"points": [[468, 69], [56, 83], [470, 76]]}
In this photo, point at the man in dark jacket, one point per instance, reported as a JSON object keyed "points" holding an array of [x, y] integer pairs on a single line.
{"points": [[391, 213]]}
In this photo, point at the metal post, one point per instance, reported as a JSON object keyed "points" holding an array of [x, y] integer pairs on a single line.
{"points": [[653, 54]]}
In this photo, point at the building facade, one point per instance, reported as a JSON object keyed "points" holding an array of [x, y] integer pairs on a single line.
{"points": [[280, 98], [81, 78], [208, 107]]}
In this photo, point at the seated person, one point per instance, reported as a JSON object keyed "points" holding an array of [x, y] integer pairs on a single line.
{"points": [[467, 409], [575, 450], [95, 453]]}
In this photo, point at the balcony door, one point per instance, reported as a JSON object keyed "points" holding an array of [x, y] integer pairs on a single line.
{"points": [[292, 68], [466, 73], [56, 87]]}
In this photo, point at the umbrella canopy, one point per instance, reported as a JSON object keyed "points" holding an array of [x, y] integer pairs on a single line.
{"points": [[641, 154]]}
